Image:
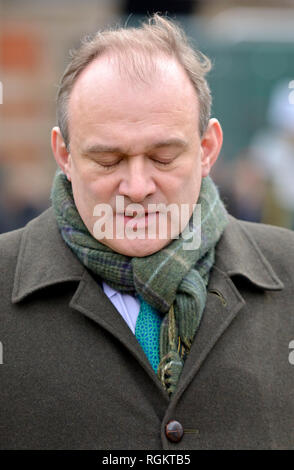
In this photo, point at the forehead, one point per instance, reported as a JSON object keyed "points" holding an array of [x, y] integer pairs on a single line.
{"points": [[104, 97]]}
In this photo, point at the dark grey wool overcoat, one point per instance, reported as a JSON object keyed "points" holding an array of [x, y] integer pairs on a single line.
{"points": [[73, 376]]}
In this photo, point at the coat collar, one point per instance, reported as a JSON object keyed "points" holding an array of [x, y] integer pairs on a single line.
{"points": [[238, 254], [44, 259]]}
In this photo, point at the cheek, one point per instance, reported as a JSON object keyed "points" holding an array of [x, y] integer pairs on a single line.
{"points": [[83, 192], [85, 182], [187, 176], [190, 183]]}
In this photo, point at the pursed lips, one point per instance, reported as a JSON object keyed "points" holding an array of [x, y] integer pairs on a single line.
{"points": [[139, 219], [133, 213]]}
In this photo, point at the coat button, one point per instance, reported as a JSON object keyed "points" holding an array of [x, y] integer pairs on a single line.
{"points": [[174, 431]]}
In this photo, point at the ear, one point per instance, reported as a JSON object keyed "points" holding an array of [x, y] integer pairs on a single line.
{"points": [[211, 144], [62, 156]]}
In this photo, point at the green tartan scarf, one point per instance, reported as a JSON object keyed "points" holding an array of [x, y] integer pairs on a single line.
{"points": [[172, 280]]}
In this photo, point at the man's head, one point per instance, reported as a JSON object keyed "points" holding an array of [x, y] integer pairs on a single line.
{"points": [[133, 114]]}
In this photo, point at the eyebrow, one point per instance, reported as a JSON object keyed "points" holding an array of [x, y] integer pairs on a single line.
{"points": [[100, 148]]}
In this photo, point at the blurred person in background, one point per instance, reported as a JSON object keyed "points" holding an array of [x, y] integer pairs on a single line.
{"points": [[272, 152], [242, 187], [141, 342]]}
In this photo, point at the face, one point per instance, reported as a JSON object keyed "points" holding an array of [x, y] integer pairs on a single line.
{"points": [[140, 142]]}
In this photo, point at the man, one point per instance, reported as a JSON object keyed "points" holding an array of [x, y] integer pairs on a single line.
{"points": [[119, 337]]}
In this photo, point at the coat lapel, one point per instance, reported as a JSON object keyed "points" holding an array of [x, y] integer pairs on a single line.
{"points": [[236, 255], [45, 260], [222, 305], [90, 300]]}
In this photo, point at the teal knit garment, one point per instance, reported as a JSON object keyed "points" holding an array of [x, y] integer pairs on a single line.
{"points": [[148, 332]]}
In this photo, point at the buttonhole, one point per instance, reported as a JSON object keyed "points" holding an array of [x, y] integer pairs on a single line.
{"points": [[191, 431], [220, 295]]}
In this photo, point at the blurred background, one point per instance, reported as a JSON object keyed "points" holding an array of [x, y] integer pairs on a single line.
{"points": [[251, 44]]}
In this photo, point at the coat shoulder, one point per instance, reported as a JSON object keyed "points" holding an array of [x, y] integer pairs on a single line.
{"points": [[10, 241], [9, 245], [9, 250], [269, 235], [276, 244]]}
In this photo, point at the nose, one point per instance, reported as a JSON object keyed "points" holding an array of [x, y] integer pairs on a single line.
{"points": [[137, 182]]}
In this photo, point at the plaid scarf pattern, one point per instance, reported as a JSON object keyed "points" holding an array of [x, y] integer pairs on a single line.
{"points": [[172, 280]]}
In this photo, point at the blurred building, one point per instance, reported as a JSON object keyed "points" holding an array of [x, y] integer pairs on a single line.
{"points": [[251, 44]]}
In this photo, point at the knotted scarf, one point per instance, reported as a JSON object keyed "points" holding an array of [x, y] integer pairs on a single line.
{"points": [[172, 280]]}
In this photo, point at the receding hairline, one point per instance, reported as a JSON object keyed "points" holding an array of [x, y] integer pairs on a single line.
{"points": [[118, 65], [158, 36], [167, 67]]}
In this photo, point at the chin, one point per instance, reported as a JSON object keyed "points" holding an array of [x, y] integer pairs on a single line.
{"points": [[136, 248]]}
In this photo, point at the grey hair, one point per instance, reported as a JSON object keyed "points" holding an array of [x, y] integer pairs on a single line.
{"points": [[135, 48]]}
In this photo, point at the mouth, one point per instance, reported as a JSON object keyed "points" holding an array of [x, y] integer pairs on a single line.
{"points": [[136, 214], [139, 219]]}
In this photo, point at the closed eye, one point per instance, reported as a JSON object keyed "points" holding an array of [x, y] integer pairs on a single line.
{"points": [[109, 164], [163, 162]]}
